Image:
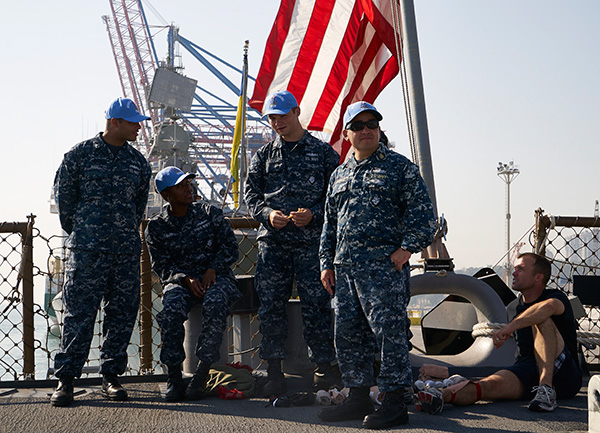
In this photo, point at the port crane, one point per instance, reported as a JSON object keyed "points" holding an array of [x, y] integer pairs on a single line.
{"points": [[197, 138]]}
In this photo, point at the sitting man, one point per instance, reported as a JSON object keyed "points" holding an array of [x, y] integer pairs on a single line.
{"points": [[192, 249], [546, 367]]}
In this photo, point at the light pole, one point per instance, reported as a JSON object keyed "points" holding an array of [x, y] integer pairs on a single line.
{"points": [[508, 173]]}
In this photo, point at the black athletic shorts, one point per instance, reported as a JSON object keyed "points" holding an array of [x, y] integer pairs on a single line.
{"points": [[566, 379]]}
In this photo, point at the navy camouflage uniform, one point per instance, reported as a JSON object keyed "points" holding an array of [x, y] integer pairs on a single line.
{"points": [[374, 206], [189, 246], [101, 199], [288, 176]]}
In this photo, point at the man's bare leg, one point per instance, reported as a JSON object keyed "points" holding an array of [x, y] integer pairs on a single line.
{"points": [[548, 344], [502, 385]]}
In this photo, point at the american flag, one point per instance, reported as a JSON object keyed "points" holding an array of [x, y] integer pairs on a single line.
{"points": [[329, 54]]}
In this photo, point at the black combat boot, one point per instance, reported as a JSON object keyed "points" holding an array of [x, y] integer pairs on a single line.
{"points": [[275, 386], [112, 389], [356, 406], [195, 389], [326, 376], [63, 395], [175, 386], [392, 412]]}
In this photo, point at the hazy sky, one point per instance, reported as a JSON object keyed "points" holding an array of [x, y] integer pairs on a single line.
{"points": [[504, 80]]}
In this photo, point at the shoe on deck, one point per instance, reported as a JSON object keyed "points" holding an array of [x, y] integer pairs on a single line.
{"points": [[429, 400], [112, 389], [544, 400], [392, 412], [63, 395], [196, 388], [275, 386]]}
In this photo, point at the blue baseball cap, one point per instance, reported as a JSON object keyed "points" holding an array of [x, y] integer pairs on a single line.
{"points": [[355, 109], [124, 108], [170, 176], [280, 103]]}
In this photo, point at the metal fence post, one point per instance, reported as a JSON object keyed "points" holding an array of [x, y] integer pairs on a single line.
{"points": [[146, 358], [27, 278], [541, 225]]}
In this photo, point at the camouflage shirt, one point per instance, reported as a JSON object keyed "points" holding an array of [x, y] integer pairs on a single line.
{"points": [[286, 179], [189, 245], [375, 206], [101, 198]]}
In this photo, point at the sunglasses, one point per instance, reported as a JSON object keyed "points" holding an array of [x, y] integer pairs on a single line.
{"points": [[359, 125]]}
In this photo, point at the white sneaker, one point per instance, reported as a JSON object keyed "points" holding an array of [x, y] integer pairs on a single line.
{"points": [[544, 400], [430, 400]]}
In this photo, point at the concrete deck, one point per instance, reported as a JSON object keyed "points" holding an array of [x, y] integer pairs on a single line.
{"points": [[29, 410]]}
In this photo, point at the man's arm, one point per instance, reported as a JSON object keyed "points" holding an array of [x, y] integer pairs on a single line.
{"points": [[330, 163], [66, 192], [141, 198], [399, 257], [328, 243], [254, 192], [165, 267], [535, 314], [328, 280], [198, 287], [162, 263], [419, 220], [228, 252]]}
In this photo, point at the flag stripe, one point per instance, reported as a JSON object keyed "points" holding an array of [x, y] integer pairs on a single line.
{"points": [[383, 78], [329, 54], [336, 38], [354, 58], [338, 72], [272, 53], [300, 21], [309, 52]]}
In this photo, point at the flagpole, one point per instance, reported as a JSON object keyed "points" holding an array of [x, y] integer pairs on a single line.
{"points": [[412, 60], [437, 250], [238, 145], [244, 144]]}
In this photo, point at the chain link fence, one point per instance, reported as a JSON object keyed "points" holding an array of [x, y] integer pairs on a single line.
{"points": [[30, 332], [572, 244]]}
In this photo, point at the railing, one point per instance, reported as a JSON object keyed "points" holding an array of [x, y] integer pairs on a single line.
{"points": [[30, 332], [572, 244], [21, 272]]}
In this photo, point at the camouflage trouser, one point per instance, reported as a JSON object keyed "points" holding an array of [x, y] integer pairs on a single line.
{"points": [[370, 315], [91, 277], [178, 301], [276, 269]]}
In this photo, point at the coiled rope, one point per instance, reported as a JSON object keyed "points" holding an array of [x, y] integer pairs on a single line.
{"points": [[486, 329]]}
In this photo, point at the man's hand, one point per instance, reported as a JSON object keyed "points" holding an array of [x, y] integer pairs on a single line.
{"points": [[399, 257], [194, 286], [302, 217], [328, 280], [278, 219], [209, 278], [500, 336], [534, 315]]}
